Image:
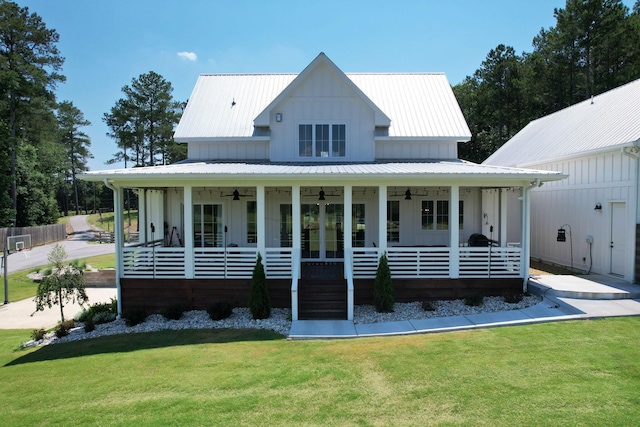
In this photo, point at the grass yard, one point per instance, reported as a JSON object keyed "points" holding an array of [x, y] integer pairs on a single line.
{"points": [[21, 286], [105, 221], [562, 374]]}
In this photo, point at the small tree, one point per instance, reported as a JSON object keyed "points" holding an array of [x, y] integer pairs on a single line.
{"points": [[383, 292], [259, 302], [64, 284]]}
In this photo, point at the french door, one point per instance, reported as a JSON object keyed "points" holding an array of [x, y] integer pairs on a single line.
{"points": [[322, 231]]}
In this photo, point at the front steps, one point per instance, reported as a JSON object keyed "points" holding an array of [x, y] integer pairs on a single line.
{"points": [[322, 292]]}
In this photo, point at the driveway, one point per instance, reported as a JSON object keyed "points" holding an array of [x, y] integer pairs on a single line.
{"points": [[77, 246]]}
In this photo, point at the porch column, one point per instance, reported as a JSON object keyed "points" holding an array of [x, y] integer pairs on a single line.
{"points": [[503, 217], [348, 217], [525, 247], [382, 218], [454, 232], [296, 225], [261, 222], [189, 259], [118, 228], [142, 215]]}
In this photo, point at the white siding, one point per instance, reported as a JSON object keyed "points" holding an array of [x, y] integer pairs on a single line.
{"points": [[323, 99], [400, 149], [604, 179], [237, 150]]}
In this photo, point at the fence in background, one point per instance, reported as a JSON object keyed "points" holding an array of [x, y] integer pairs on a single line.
{"points": [[40, 235]]}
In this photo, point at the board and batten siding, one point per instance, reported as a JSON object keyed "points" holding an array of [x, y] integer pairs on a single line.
{"points": [[605, 178], [235, 150]]}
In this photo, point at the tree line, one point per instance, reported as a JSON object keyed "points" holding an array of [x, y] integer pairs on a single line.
{"points": [[43, 137], [593, 47]]}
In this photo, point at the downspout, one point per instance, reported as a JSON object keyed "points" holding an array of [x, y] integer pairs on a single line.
{"points": [[526, 243], [117, 234], [633, 152]]}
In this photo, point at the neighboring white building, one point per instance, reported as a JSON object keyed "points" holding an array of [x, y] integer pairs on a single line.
{"points": [[596, 143], [287, 165]]}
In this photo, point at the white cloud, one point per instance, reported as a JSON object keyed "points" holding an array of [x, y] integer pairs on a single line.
{"points": [[189, 56]]}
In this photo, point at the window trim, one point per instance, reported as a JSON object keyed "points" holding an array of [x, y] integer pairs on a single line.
{"points": [[332, 141]]}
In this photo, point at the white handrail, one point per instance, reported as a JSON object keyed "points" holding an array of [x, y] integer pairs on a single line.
{"points": [[348, 274], [295, 275]]}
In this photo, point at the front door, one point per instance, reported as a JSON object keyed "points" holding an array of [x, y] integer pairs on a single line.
{"points": [[618, 238], [322, 231]]}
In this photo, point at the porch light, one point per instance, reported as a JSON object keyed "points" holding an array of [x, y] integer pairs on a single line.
{"points": [[278, 117], [598, 207], [236, 194], [407, 194], [321, 194], [562, 237]]}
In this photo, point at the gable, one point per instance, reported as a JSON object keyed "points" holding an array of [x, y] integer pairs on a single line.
{"points": [[332, 78], [606, 121]]}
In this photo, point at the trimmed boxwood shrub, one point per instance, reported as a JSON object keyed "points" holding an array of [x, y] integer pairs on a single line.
{"points": [[220, 310], [134, 316], [174, 311], [259, 301], [383, 291], [474, 300]]}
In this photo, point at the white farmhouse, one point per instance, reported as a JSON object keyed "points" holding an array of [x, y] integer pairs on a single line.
{"points": [[320, 173], [596, 143]]}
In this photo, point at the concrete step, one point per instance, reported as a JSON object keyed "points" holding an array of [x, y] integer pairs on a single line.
{"points": [[595, 287]]}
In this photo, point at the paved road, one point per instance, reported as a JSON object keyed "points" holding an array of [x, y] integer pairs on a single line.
{"points": [[77, 246]]}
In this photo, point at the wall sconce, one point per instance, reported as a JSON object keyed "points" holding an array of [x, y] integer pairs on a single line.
{"points": [[321, 194], [598, 207], [278, 117], [407, 194]]}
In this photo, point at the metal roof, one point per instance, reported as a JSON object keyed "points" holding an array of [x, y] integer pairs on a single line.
{"points": [[608, 120], [420, 105], [327, 171]]}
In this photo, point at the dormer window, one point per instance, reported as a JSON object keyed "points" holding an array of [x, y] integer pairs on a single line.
{"points": [[322, 140]]}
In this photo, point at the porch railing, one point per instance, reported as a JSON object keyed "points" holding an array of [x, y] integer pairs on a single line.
{"points": [[410, 262], [153, 262], [142, 261], [237, 263], [490, 262]]}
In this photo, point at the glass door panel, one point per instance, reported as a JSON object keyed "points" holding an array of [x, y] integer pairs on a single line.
{"points": [[334, 233], [310, 231]]}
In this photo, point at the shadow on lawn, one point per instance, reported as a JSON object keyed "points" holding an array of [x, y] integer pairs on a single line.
{"points": [[143, 341]]}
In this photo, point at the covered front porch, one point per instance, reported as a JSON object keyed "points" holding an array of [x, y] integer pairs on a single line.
{"points": [[199, 243]]}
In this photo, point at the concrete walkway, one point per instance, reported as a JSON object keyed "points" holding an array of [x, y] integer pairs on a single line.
{"points": [[564, 298], [20, 314]]}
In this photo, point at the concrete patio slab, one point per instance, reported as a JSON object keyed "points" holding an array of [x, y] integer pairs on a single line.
{"points": [[318, 329]]}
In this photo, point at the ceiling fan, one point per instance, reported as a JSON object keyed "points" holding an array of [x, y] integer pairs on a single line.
{"points": [[236, 195]]}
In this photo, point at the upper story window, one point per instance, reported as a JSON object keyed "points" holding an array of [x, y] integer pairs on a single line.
{"points": [[322, 140]]}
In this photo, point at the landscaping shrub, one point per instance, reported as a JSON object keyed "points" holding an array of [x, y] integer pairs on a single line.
{"points": [[474, 300], [89, 325], [105, 311], [259, 301], [61, 330], [220, 310], [134, 316], [428, 306], [103, 317], [383, 292], [38, 334], [174, 311], [512, 297]]}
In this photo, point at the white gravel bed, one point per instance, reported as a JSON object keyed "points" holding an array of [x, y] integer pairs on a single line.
{"points": [[280, 320], [414, 311]]}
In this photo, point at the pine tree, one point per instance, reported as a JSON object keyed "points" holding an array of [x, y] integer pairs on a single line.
{"points": [[259, 301], [383, 291]]}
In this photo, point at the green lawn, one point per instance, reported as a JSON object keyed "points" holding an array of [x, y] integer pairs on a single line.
{"points": [[555, 374], [21, 286]]}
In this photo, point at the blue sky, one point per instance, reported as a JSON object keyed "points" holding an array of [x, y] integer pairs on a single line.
{"points": [[108, 43]]}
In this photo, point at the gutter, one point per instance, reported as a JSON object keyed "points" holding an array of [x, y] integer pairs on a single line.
{"points": [[116, 199]]}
